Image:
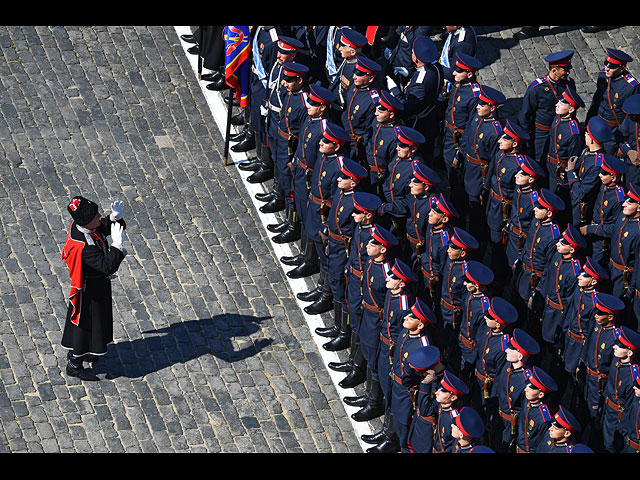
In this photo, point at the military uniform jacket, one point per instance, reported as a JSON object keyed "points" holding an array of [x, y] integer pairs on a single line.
{"points": [[490, 348], [509, 388], [422, 430], [501, 184], [539, 102], [536, 253], [548, 445], [533, 425], [461, 106], [473, 309], [597, 352], [323, 186], [520, 218], [420, 93], [583, 183], [292, 117], [340, 224], [435, 254], [263, 57], [342, 81], [559, 279], [380, 149], [625, 241], [396, 186], [577, 320], [566, 140], [606, 211], [304, 161], [395, 307], [479, 144], [359, 110], [630, 424], [358, 248], [453, 290], [609, 96], [444, 442], [374, 290], [627, 137], [618, 391]]}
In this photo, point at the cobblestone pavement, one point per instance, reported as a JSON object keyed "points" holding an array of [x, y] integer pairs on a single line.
{"points": [[212, 352]]}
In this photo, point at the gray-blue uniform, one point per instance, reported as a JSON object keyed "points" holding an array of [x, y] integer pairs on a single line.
{"points": [[611, 93], [624, 244], [618, 392], [521, 211], [461, 107], [359, 108], [396, 305], [380, 147], [304, 160], [597, 353], [474, 308], [419, 96], [566, 139], [628, 136], [539, 104], [606, 210], [578, 316], [583, 181], [534, 419], [374, 290], [509, 388], [501, 183], [479, 145], [401, 397], [340, 226], [559, 279], [539, 246]]}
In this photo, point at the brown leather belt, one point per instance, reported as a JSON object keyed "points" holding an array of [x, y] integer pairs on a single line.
{"points": [[596, 374], [577, 337], [302, 164], [553, 304], [339, 238], [544, 128], [451, 126], [373, 308], [355, 271], [483, 377], [319, 201], [477, 161], [500, 197], [287, 135], [520, 450], [620, 267], [557, 161], [517, 231], [538, 273], [429, 275], [450, 306], [386, 341], [373, 168], [506, 416], [469, 343], [633, 444], [415, 241], [613, 405]]}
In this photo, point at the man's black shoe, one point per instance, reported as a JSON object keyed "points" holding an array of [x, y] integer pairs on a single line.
{"points": [[81, 373]]}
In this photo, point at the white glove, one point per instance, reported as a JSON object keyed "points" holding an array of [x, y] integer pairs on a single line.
{"points": [[401, 71], [117, 235], [391, 84], [116, 210]]}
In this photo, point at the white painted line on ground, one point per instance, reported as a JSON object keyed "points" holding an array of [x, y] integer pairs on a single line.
{"points": [[219, 111]]}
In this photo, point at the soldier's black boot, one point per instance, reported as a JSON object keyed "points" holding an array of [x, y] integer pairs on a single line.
{"points": [[278, 202], [292, 231], [390, 442], [334, 329], [295, 260], [379, 436], [314, 294], [253, 164], [324, 303], [310, 264], [265, 172], [375, 403], [343, 339], [347, 366], [358, 373], [360, 400]]}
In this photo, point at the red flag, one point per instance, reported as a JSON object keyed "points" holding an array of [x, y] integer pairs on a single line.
{"points": [[371, 34]]}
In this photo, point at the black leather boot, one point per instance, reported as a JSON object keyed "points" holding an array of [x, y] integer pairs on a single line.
{"points": [[311, 263], [389, 442], [358, 373], [314, 294], [247, 143], [375, 404], [334, 329], [250, 165], [265, 172], [324, 303], [360, 400], [278, 203], [283, 225], [293, 230], [343, 339], [293, 261]]}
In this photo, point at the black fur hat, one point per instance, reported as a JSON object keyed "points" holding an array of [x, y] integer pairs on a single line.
{"points": [[82, 210]]}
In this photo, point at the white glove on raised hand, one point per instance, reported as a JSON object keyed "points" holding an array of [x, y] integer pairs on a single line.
{"points": [[117, 235], [391, 84], [116, 210]]}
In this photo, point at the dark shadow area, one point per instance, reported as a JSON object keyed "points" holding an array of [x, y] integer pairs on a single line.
{"points": [[181, 342]]}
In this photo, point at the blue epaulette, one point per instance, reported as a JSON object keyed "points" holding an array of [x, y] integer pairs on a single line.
{"points": [[534, 196], [527, 374], [433, 200], [631, 80], [620, 194], [538, 81], [386, 266], [599, 158], [485, 303], [575, 127], [544, 410], [475, 88], [454, 413], [555, 231], [445, 238], [576, 266], [375, 96], [404, 302], [505, 342], [635, 371], [497, 127], [424, 341]]}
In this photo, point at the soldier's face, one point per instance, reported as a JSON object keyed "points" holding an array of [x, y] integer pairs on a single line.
{"points": [[539, 212], [461, 76], [417, 188], [93, 223], [556, 432], [612, 70], [505, 142], [362, 79], [327, 147], [347, 51], [630, 208], [383, 115], [444, 396], [563, 108]]}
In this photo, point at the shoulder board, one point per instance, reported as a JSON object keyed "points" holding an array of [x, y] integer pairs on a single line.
{"points": [[453, 413], [421, 76], [505, 342], [544, 410], [424, 341], [497, 127], [575, 127], [631, 80], [464, 268], [445, 238], [555, 231], [599, 157], [404, 302], [538, 81], [594, 299], [601, 70], [375, 96], [273, 34], [387, 268], [527, 373], [576, 266], [620, 194], [485, 303], [635, 371], [461, 34], [534, 196], [475, 88]]}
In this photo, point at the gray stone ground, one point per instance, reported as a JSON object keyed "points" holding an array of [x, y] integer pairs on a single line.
{"points": [[211, 350]]}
